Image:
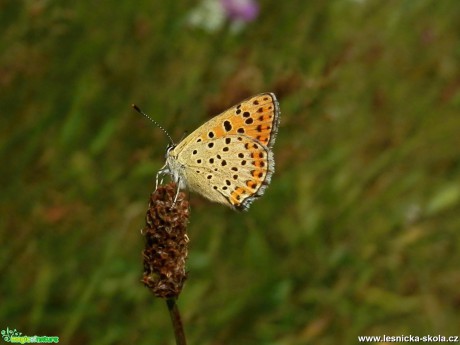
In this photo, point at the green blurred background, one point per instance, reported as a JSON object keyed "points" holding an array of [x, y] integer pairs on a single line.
{"points": [[358, 233]]}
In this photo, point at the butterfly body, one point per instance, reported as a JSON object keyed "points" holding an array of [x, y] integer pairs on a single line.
{"points": [[229, 159]]}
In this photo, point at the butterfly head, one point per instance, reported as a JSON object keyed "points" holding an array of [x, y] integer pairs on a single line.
{"points": [[171, 146]]}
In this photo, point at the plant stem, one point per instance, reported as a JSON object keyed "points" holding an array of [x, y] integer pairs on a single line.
{"points": [[176, 321]]}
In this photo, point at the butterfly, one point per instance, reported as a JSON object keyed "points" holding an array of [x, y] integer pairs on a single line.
{"points": [[228, 159]]}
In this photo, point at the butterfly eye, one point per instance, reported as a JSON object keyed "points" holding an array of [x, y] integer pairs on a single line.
{"points": [[169, 148]]}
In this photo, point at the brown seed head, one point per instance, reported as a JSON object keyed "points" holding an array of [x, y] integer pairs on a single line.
{"points": [[166, 242]]}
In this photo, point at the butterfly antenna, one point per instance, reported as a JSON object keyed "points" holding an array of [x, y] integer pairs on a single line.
{"points": [[154, 122]]}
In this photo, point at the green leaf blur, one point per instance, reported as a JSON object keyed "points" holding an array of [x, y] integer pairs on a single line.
{"points": [[358, 233]]}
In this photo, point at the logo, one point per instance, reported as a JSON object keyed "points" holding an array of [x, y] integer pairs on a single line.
{"points": [[13, 336]]}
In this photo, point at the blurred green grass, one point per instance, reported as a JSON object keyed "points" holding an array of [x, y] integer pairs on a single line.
{"points": [[358, 234]]}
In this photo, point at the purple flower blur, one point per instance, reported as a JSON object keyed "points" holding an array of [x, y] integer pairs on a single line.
{"points": [[241, 10]]}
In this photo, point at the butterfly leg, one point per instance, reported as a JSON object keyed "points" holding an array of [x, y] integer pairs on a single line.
{"points": [[162, 172], [165, 170], [177, 194]]}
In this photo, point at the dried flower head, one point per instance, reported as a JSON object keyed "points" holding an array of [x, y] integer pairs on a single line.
{"points": [[166, 242]]}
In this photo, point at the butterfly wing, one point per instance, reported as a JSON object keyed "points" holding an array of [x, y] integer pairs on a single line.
{"points": [[234, 170], [229, 159], [256, 117]]}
